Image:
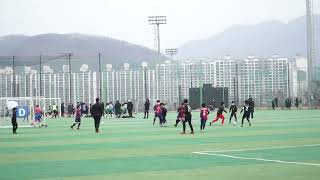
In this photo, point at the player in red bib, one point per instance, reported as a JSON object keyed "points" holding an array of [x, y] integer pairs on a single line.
{"points": [[204, 112], [181, 114], [157, 111], [220, 114]]}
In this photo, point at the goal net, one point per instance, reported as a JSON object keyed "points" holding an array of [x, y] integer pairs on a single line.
{"points": [[25, 109]]}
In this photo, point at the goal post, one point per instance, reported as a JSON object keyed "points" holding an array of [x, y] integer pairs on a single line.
{"points": [[25, 112]]}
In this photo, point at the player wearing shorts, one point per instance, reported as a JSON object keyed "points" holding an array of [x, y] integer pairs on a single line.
{"points": [[78, 118], [204, 112]]}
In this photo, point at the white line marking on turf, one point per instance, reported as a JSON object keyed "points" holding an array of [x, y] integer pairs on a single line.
{"points": [[4, 127], [255, 149], [258, 159]]}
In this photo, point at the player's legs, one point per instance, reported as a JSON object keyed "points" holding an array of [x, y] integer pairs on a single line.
{"points": [[190, 125], [184, 127], [248, 117], [222, 117]]}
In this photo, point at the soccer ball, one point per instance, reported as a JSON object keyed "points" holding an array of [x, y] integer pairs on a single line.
{"points": [[235, 123]]}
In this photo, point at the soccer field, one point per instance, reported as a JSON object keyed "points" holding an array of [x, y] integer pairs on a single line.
{"points": [[282, 144]]}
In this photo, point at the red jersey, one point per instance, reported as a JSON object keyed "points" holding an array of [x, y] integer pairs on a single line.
{"points": [[37, 110], [181, 113], [157, 108], [204, 113]]}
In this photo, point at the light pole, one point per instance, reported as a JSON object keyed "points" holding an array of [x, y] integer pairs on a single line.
{"points": [[171, 52], [156, 21]]}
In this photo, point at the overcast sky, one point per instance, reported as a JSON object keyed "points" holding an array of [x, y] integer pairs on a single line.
{"points": [[127, 19]]}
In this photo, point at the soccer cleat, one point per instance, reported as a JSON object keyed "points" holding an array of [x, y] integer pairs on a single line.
{"points": [[191, 132], [71, 127], [78, 128], [210, 123], [241, 125], [183, 133], [249, 124]]}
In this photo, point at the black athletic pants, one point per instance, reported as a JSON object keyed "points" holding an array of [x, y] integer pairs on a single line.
{"points": [[203, 124], [146, 114], [97, 122], [233, 114], [130, 112], [245, 116], [14, 126], [188, 119]]}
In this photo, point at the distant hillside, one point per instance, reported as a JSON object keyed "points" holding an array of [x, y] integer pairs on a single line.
{"points": [[263, 39], [85, 47]]}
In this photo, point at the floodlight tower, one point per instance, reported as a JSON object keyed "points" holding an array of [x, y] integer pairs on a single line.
{"points": [[310, 46], [172, 52], [156, 21], [68, 56]]}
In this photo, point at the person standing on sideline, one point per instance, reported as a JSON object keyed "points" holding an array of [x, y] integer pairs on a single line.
{"points": [[130, 108], [204, 112], [14, 121], [188, 117], [55, 110], [233, 109], [220, 114], [117, 107], [251, 106], [146, 109], [97, 111], [273, 104], [62, 109]]}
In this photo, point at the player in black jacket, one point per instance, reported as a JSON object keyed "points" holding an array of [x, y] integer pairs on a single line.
{"points": [[246, 112], [233, 109], [188, 117]]}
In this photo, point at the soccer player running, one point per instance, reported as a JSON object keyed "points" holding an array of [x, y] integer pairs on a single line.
{"points": [[233, 109], [78, 117], [246, 112], [188, 117], [97, 111], [163, 114], [220, 114], [37, 116], [204, 112]]}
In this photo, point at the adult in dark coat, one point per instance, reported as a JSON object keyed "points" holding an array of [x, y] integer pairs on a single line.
{"points": [[130, 108], [146, 109], [97, 113], [62, 109], [117, 108]]}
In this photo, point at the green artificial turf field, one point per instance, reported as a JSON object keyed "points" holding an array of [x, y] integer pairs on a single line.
{"points": [[280, 145]]}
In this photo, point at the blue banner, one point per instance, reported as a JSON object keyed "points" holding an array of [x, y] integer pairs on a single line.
{"points": [[22, 111]]}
